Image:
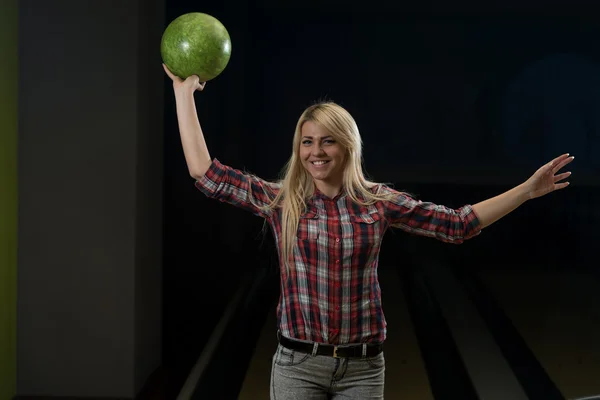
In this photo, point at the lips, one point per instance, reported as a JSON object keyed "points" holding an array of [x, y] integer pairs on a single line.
{"points": [[319, 162]]}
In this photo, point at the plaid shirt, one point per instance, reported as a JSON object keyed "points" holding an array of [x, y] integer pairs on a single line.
{"points": [[332, 294]]}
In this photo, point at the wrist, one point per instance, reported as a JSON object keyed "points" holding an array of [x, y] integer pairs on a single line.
{"points": [[523, 192], [184, 93]]}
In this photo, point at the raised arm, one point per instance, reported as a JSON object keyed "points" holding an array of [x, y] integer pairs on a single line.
{"points": [[212, 178], [238, 188], [194, 146]]}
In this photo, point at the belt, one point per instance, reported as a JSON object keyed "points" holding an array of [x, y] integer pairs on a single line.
{"points": [[342, 351]]}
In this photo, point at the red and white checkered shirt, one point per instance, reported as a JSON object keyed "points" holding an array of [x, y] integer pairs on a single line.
{"points": [[332, 294]]}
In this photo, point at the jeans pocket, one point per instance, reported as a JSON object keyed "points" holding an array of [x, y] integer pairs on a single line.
{"points": [[376, 362], [285, 357]]}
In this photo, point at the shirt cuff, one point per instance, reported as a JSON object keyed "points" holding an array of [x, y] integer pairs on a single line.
{"points": [[472, 222], [210, 182]]}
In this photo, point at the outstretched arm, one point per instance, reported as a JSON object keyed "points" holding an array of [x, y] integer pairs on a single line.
{"points": [[429, 219], [457, 225], [542, 182]]}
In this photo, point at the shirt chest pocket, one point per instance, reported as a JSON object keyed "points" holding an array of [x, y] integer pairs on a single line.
{"points": [[308, 226], [367, 219], [364, 229]]}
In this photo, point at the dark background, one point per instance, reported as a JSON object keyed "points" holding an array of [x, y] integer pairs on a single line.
{"points": [[455, 104]]}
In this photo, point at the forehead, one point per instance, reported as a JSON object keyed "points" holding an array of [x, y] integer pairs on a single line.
{"points": [[309, 128]]}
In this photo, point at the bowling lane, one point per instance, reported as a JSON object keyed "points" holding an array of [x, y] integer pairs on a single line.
{"points": [[406, 377], [558, 315], [258, 376]]}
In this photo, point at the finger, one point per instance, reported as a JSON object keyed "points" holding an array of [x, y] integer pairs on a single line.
{"points": [[562, 176], [554, 162], [560, 158], [559, 186], [193, 81], [562, 163], [168, 72]]}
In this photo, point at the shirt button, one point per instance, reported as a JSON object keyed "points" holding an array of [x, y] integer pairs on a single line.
{"points": [[337, 308], [337, 261], [337, 240]]}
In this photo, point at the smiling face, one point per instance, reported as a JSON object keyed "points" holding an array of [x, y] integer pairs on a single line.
{"points": [[322, 156]]}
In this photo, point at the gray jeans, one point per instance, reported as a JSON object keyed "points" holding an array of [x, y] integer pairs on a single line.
{"points": [[296, 375]]}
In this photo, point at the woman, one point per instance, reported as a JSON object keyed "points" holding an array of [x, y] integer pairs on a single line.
{"points": [[328, 221]]}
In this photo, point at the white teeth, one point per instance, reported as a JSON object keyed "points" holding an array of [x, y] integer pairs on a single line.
{"points": [[319, 162]]}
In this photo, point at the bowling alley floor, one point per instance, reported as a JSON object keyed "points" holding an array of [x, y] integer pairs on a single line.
{"points": [[556, 313]]}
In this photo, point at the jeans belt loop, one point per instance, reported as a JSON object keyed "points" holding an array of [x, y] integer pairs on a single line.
{"points": [[315, 348]]}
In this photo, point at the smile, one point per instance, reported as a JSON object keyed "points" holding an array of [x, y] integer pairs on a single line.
{"points": [[319, 162]]}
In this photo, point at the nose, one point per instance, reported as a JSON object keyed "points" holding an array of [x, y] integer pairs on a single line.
{"points": [[317, 150]]}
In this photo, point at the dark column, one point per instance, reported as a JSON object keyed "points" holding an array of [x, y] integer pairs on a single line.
{"points": [[90, 197]]}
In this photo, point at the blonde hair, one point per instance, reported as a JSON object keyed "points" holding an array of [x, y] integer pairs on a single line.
{"points": [[297, 185]]}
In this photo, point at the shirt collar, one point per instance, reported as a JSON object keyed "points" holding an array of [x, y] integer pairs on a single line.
{"points": [[320, 195]]}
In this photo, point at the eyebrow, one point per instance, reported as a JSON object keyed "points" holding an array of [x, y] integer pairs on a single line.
{"points": [[310, 137]]}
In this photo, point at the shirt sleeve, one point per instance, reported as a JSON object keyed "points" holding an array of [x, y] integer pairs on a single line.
{"points": [[432, 220], [237, 188]]}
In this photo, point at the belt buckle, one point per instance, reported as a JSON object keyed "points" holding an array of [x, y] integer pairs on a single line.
{"points": [[335, 349]]}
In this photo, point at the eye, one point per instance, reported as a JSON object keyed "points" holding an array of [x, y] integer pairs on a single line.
{"points": [[329, 141], [305, 142]]}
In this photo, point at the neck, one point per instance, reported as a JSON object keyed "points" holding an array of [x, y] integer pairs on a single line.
{"points": [[329, 189]]}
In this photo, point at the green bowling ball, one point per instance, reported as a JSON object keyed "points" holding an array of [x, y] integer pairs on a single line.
{"points": [[196, 44]]}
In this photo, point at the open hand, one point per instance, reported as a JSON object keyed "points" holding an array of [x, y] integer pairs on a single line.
{"points": [[545, 180], [192, 83]]}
